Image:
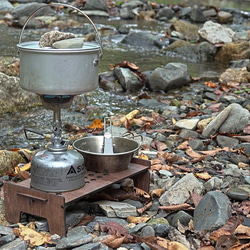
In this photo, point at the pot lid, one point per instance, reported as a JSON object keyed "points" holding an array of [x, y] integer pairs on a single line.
{"points": [[34, 46]]}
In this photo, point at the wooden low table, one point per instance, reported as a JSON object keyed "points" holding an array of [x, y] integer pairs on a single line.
{"points": [[20, 197]]}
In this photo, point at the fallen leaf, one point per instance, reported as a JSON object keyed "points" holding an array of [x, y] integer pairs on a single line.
{"points": [[113, 241], [226, 242], [140, 192], [246, 129], [156, 192], [204, 176], [176, 207], [143, 156], [145, 207], [97, 124], [113, 228], [215, 107], [168, 157], [243, 231], [228, 228], [196, 198], [137, 220], [33, 237], [194, 155], [170, 245], [130, 115], [160, 146], [211, 84], [23, 168]]}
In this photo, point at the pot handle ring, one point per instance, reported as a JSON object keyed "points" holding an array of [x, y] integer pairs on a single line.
{"points": [[68, 6]]}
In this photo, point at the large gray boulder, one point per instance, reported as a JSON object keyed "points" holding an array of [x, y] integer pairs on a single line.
{"points": [[174, 75], [212, 212], [232, 119], [203, 52]]}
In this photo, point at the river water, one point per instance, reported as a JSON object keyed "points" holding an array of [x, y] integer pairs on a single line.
{"points": [[12, 125]]}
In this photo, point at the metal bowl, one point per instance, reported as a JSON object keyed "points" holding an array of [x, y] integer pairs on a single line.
{"points": [[95, 160]]}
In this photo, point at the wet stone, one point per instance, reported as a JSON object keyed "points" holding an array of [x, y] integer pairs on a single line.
{"points": [[237, 194]]}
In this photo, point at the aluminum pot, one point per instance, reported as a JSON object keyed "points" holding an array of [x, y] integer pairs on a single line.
{"points": [[95, 160], [49, 71]]}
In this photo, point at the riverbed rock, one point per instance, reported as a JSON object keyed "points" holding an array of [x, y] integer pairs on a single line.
{"points": [[26, 9], [197, 14], [173, 75], [216, 33], [241, 75], [236, 121], [188, 30], [186, 124], [233, 51], [232, 119], [16, 244], [145, 40], [203, 52], [12, 97], [131, 9], [224, 17], [95, 5], [212, 211], [180, 191], [116, 209], [165, 14], [226, 141], [5, 7], [127, 79]]}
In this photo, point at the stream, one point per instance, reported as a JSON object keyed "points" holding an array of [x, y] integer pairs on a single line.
{"points": [[106, 103]]}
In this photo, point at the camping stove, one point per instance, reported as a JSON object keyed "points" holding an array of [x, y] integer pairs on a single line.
{"points": [[57, 168], [57, 75]]}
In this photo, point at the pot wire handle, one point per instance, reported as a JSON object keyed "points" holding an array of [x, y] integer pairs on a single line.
{"points": [[68, 6], [133, 136]]}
